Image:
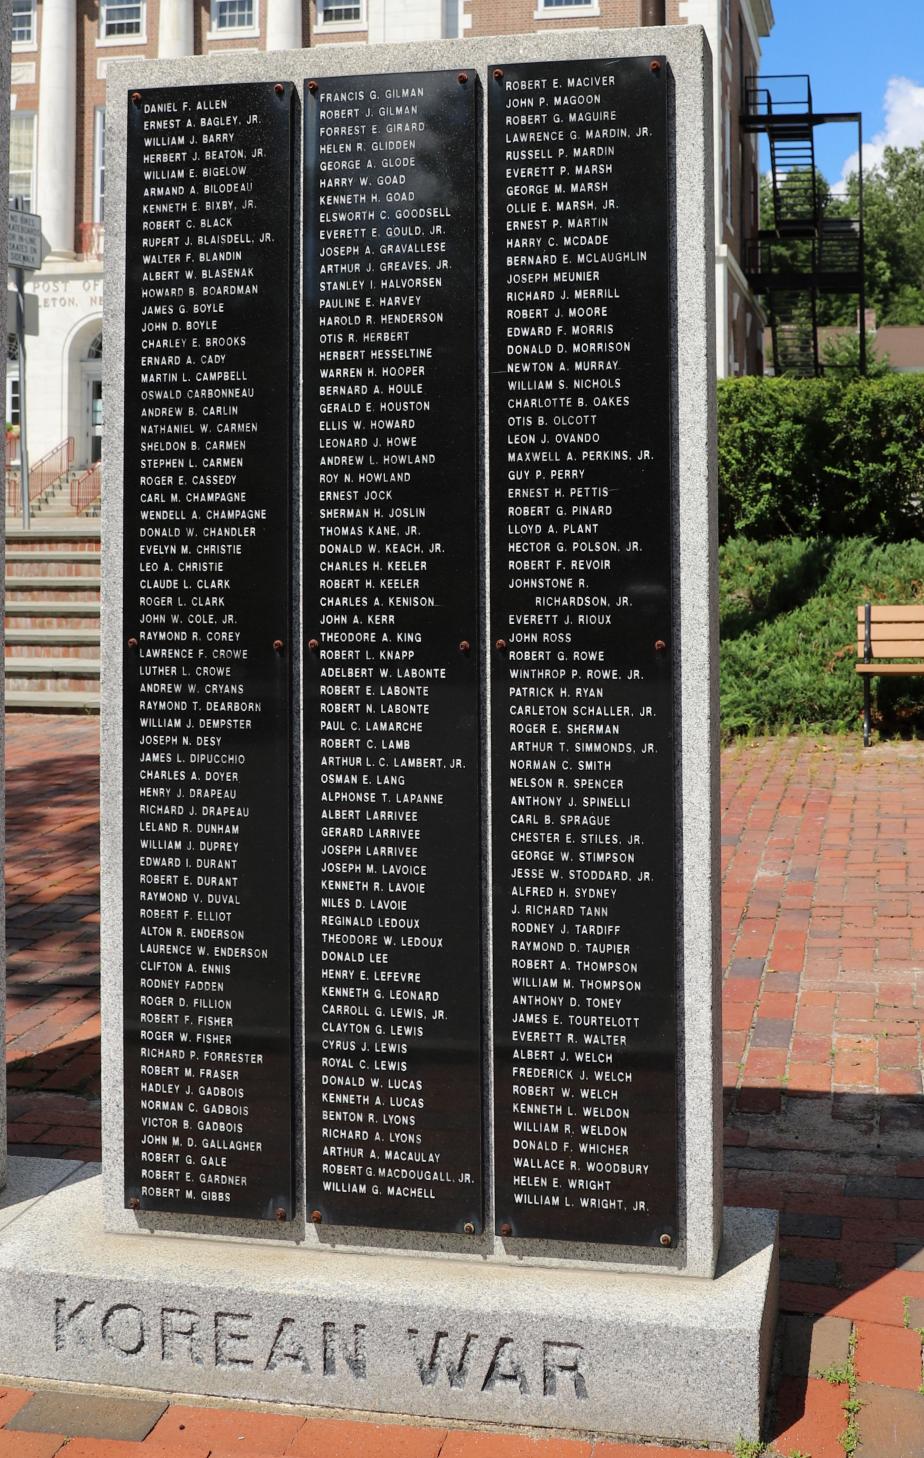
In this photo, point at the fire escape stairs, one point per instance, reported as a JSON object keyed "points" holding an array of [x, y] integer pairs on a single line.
{"points": [[800, 253]]}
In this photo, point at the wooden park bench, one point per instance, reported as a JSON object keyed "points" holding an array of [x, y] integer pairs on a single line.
{"points": [[887, 632]]}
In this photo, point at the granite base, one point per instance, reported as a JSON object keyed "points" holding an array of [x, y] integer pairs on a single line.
{"points": [[453, 1338]]}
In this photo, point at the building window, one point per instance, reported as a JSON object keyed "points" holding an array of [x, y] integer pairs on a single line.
{"points": [[22, 156], [99, 165], [23, 22], [341, 12], [233, 15], [727, 179], [12, 393], [118, 18]]}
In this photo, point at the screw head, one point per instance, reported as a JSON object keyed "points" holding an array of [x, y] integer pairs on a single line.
{"points": [[469, 1228], [498, 74], [279, 89], [136, 98], [278, 645], [132, 642], [313, 645], [655, 66], [501, 645], [463, 77], [506, 1229], [134, 1203], [660, 645], [281, 1214], [316, 1217], [312, 86], [665, 1240], [465, 646]]}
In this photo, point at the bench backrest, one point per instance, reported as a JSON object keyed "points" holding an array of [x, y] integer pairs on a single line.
{"points": [[895, 632]]}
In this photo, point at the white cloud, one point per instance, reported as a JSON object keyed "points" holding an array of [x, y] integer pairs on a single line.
{"points": [[904, 125]]}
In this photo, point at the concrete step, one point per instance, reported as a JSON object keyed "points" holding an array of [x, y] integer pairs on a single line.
{"points": [[51, 667], [46, 675], [16, 582], [50, 609], [52, 556], [83, 642], [71, 530], [51, 701]]}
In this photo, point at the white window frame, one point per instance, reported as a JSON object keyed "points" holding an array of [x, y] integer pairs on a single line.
{"points": [[12, 414], [231, 32], [99, 164], [728, 176], [569, 10], [15, 115], [329, 26], [32, 42], [137, 38]]}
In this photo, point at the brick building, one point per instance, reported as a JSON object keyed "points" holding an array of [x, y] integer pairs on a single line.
{"points": [[63, 49]]}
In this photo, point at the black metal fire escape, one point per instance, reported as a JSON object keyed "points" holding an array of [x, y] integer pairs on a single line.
{"points": [[801, 252]]}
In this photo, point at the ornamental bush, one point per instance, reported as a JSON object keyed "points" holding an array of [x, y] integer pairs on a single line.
{"points": [[830, 457]]}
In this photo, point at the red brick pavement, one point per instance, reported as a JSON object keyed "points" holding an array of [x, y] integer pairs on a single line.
{"points": [[52, 930], [823, 926]]}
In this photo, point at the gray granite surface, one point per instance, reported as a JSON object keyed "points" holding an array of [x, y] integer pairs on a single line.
{"points": [[570, 1348]]}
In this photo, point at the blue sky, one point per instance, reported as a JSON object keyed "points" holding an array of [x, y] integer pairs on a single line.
{"points": [[862, 55]]}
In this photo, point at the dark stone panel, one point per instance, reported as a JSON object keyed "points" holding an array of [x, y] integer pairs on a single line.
{"points": [[206, 623], [583, 664], [391, 662]]}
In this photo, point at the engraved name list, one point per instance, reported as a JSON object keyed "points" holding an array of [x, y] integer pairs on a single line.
{"points": [[206, 798]]}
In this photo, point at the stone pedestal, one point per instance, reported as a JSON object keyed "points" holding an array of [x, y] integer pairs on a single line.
{"points": [[456, 1339]]}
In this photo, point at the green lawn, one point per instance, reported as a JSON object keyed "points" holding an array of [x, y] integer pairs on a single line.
{"points": [[788, 623]]}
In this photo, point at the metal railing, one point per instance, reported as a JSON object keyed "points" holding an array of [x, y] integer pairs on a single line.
{"points": [[763, 100], [86, 490], [43, 475]]}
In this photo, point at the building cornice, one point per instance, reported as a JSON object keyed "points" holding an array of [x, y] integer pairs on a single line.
{"points": [[761, 13]]}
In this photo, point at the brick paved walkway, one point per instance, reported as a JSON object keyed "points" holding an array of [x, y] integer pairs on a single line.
{"points": [[52, 929], [823, 921]]}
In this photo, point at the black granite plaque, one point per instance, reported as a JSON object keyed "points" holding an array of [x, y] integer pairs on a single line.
{"points": [[391, 656], [206, 751], [582, 700]]}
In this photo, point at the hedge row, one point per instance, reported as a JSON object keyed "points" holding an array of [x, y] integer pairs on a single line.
{"points": [[821, 457]]}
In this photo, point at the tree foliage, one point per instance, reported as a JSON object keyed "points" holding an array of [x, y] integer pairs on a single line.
{"points": [[842, 353], [893, 196], [838, 456]]}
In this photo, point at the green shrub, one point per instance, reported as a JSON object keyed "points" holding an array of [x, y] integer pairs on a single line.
{"points": [[788, 616], [822, 457]]}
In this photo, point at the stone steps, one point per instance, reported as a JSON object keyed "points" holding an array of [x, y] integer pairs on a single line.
{"points": [[81, 591], [52, 701], [52, 675], [43, 642], [77, 616], [52, 659], [62, 555]]}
